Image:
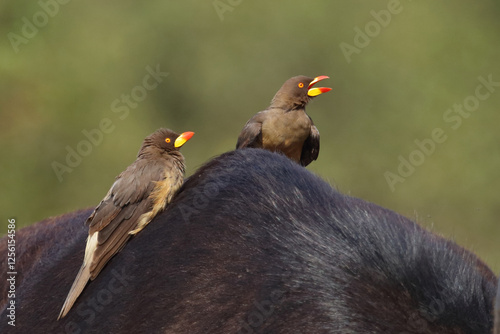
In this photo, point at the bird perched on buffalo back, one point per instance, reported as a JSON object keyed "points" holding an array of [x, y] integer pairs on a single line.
{"points": [[284, 126], [137, 196]]}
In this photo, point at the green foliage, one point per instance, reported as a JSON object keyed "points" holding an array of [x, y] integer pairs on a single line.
{"points": [[225, 61]]}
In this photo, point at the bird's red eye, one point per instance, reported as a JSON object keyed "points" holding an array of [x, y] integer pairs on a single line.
{"points": [[167, 140], [301, 85]]}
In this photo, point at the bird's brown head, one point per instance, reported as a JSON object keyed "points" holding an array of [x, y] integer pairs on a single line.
{"points": [[296, 92], [165, 140]]}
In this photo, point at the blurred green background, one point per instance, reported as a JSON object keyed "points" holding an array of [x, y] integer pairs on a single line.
{"points": [[62, 67]]}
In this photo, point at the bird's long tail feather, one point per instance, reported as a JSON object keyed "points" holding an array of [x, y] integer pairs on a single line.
{"points": [[76, 289], [82, 277]]}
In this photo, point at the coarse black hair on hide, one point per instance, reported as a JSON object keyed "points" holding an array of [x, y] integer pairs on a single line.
{"points": [[255, 243]]}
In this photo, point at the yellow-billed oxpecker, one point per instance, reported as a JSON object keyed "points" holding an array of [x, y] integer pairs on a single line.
{"points": [[284, 126], [138, 194]]}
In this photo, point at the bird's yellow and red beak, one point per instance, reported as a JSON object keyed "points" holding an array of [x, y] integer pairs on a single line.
{"points": [[183, 138], [315, 91]]}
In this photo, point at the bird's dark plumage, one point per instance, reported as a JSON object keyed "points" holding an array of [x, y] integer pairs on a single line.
{"points": [[284, 126], [137, 196]]}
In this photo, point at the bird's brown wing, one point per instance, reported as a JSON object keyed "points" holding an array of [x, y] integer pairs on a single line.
{"points": [[251, 135], [130, 187], [310, 150], [119, 212], [113, 237], [117, 215]]}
